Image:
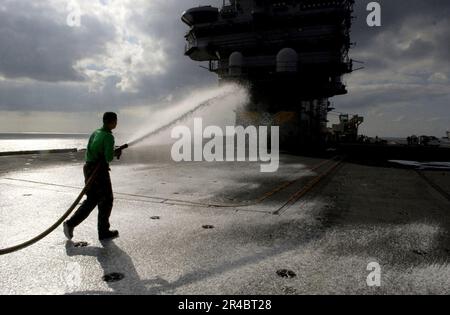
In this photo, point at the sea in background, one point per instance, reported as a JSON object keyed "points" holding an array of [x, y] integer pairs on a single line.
{"points": [[12, 142], [445, 143]]}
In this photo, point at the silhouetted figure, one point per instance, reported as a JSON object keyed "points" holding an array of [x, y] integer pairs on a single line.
{"points": [[100, 152]]}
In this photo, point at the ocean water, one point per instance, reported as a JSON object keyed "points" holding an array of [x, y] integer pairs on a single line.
{"points": [[11, 142]]}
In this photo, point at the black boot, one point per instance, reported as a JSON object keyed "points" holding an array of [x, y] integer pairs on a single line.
{"points": [[108, 235], [68, 231]]}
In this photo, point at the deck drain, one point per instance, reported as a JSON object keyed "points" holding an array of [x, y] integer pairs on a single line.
{"points": [[419, 252], [208, 227], [80, 244], [113, 277], [285, 273], [155, 218], [289, 291]]}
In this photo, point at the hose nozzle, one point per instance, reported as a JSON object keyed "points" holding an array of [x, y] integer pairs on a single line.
{"points": [[118, 151]]}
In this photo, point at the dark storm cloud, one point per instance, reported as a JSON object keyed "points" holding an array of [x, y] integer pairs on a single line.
{"points": [[395, 13], [181, 71], [36, 42], [400, 19], [403, 60]]}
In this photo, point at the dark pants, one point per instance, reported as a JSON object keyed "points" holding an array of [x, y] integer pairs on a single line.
{"points": [[99, 194]]}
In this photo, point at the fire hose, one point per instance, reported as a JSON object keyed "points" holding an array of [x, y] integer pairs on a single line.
{"points": [[44, 234]]}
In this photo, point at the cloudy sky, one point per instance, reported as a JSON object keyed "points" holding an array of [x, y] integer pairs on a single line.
{"points": [[129, 53]]}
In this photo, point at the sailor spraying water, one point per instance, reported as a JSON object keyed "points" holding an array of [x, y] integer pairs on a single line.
{"points": [[98, 188], [100, 152]]}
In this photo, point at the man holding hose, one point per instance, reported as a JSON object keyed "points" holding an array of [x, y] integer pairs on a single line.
{"points": [[100, 152]]}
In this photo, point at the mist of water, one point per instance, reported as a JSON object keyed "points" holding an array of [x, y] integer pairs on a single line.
{"points": [[216, 105]]}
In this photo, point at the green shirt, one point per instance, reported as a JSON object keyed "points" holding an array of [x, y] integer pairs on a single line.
{"points": [[100, 146]]}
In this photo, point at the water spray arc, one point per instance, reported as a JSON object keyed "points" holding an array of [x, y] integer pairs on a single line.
{"points": [[176, 121]]}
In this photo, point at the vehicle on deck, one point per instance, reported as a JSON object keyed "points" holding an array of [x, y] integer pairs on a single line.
{"points": [[429, 141]]}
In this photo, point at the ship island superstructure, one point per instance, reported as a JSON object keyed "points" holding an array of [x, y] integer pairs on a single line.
{"points": [[292, 55]]}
